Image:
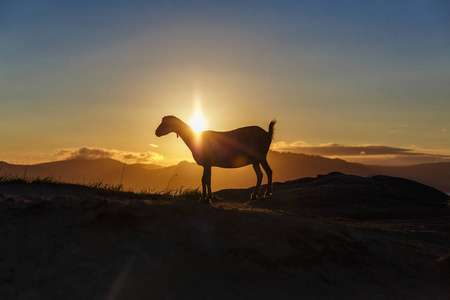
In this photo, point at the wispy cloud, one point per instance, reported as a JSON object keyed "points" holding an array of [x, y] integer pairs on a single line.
{"points": [[365, 153], [96, 153], [334, 149]]}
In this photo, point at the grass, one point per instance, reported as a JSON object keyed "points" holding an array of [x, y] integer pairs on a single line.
{"points": [[184, 194], [17, 179], [181, 193], [107, 186]]}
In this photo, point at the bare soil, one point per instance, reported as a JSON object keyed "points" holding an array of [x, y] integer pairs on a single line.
{"points": [[335, 236]]}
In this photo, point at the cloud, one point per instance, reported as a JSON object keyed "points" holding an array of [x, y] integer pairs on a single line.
{"points": [[97, 153], [369, 154], [339, 149]]}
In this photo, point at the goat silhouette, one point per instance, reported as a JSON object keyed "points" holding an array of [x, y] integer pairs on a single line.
{"points": [[230, 149]]}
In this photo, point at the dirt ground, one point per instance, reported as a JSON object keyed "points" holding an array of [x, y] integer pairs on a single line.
{"points": [[330, 237]]}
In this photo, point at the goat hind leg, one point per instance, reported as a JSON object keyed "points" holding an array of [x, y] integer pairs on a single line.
{"points": [[259, 176], [269, 172]]}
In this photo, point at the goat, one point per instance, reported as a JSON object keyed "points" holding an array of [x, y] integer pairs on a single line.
{"points": [[230, 149]]}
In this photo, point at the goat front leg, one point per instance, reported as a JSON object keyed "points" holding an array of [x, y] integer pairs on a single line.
{"points": [[206, 185], [259, 176]]}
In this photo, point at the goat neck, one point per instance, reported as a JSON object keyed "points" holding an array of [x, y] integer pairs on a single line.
{"points": [[188, 135]]}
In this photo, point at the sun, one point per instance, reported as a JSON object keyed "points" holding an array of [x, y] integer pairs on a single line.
{"points": [[198, 123]]}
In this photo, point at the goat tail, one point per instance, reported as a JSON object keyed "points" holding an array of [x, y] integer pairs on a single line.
{"points": [[271, 128]]}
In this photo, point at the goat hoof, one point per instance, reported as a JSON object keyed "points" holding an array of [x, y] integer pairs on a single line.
{"points": [[254, 197], [268, 194]]}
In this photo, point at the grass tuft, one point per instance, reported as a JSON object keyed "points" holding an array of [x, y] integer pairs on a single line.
{"points": [[12, 179], [181, 193], [107, 186]]}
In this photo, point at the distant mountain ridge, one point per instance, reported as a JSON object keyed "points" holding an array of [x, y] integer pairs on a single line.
{"points": [[286, 166]]}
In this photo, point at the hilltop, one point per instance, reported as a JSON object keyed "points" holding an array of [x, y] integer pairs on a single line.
{"points": [[332, 236], [286, 166]]}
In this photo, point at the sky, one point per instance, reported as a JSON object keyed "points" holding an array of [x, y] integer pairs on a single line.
{"points": [[366, 81]]}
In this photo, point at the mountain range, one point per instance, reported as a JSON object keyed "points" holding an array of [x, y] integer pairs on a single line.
{"points": [[286, 166]]}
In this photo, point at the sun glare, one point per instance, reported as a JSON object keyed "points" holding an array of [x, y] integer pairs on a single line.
{"points": [[198, 123]]}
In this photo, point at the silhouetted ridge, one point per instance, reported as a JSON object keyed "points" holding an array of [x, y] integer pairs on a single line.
{"points": [[344, 193]]}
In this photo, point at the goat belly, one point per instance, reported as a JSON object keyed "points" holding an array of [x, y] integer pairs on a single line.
{"points": [[240, 161], [232, 161]]}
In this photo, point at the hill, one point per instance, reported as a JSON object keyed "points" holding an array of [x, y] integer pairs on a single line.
{"points": [[436, 174], [317, 238], [286, 166]]}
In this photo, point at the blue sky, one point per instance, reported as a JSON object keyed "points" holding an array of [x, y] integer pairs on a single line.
{"points": [[101, 74]]}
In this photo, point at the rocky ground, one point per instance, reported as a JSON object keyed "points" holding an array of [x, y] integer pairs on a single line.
{"points": [[335, 236]]}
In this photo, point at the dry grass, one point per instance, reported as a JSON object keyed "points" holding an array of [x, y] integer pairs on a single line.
{"points": [[181, 193]]}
